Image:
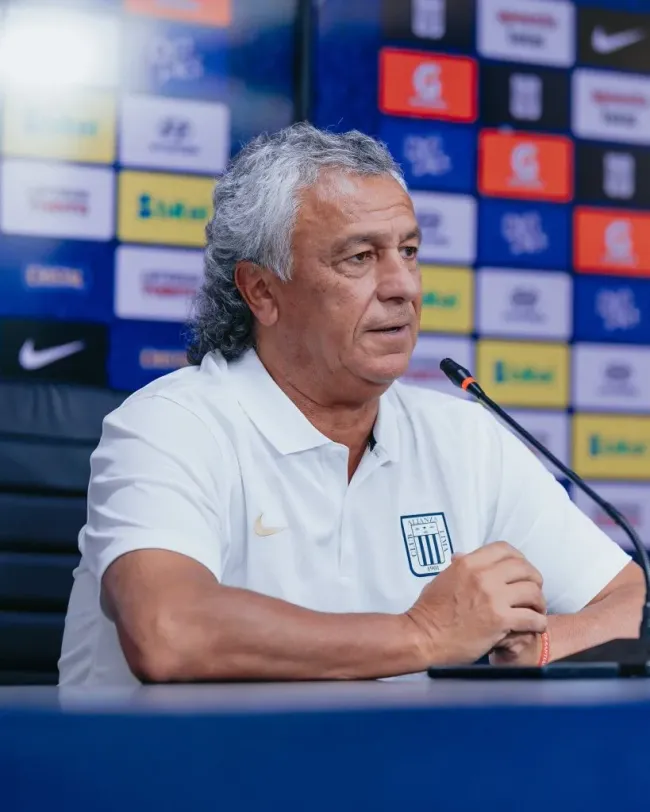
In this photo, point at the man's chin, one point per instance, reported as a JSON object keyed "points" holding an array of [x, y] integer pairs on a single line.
{"points": [[386, 370]]}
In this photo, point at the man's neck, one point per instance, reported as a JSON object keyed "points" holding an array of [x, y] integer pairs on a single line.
{"points": [[347, 423]]}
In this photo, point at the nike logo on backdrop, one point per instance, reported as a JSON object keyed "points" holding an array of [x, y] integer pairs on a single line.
{"points": [[604, 43], [261, 530], [31, 359]]}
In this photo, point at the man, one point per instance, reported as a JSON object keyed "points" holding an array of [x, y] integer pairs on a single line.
{"points": [[283, 509]]}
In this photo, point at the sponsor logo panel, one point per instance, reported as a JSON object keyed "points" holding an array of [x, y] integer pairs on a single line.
{"points": [[614, 39], [140, 352], [440, 23], [448, 224], [66, 280], [205, 12], [58, 351], [529, 235], [78, 125], [611, 447], [166, 209], [56, 200], [524, 97], [611, 106], [524, 303], [447, 299], [156, 283], [179, 134], [609, 377], [533, 167], [612, 241], [433, 155], [527, 31], [523, 373], [613, 175], [427, 85], [177, 60], [611, 310]]}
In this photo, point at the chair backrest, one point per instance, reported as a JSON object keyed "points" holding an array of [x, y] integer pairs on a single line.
{"points": [[47, 434]]}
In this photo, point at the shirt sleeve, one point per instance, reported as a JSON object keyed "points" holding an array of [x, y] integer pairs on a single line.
{"points": [[156, 482], [535, 514]]}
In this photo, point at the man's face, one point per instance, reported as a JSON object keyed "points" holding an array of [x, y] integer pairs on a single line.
{"points": [[352, 307]]}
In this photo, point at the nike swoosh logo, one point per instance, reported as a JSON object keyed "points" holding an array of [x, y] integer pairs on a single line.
{"points": [[604, 43], [31, 359], [260, 530]]}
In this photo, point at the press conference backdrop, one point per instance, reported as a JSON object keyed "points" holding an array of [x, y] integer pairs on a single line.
{"points": [[523, 128], [116, 117]]}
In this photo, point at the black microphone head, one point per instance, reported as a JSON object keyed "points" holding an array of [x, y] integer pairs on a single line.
{"points": [[457, 374]]}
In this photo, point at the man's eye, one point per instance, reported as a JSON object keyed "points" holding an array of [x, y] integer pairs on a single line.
{"points": [[410, 251], [362, 257]]}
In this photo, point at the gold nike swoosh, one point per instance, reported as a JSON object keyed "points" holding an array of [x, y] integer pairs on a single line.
{"points": [[260, 530]]}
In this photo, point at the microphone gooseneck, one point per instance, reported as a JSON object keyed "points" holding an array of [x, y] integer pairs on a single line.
{"points": [[463, 379]]}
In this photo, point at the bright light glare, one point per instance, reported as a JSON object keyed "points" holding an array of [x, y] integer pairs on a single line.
{"points": [[57, 49]]}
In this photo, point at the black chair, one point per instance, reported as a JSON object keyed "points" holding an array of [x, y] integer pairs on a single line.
{"points": [[47, 434]]}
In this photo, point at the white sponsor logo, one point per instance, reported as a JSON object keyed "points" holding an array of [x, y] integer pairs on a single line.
{"points": [[428, 87], [540, 31], [57, 200], [617, 309], [174, 59], [448, 224], [604, 43], [56, 277], [182, 134], [630, 499], [426, 155], [428, 18], [610, 377], [619, 243], [156, 283], [551, 429], [525, 96], [524, 165], [32, 359], [611, 106], [524, 233], [524, 303], [424, 368], [619, 171]]}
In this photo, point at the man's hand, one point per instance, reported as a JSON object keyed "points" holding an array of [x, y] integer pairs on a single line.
{"points": [[480, 600], [517, 649]]}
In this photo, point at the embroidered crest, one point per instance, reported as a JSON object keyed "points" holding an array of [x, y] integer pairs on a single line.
{"points": [[428, 544]]}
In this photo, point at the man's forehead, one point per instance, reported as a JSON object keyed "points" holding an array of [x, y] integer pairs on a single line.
{"points": [[347, 198]]}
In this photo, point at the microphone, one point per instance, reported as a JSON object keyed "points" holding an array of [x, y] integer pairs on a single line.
{"points": [[631, 655]]}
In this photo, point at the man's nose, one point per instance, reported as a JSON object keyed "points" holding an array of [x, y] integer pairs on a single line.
{"points": [[398, 278]]}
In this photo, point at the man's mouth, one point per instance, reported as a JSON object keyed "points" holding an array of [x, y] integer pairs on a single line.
{"points": [[393, 329]]}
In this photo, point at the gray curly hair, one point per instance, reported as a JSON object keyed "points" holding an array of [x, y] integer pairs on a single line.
{"points": [[255, 207]]}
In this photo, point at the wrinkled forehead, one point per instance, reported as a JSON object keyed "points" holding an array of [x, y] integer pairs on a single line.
{"points": [[339, 201]]}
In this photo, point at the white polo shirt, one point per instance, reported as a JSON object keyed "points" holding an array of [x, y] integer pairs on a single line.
{"points": [[217, 463]]}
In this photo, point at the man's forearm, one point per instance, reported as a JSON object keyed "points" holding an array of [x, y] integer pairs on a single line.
{"points": [[614, 616], [234, 633]]}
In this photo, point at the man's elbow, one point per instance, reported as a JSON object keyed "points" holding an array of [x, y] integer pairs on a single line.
{"points": [[156, 651]]}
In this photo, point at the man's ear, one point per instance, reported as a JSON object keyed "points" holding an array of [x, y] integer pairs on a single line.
{"points": [[258, 287]]}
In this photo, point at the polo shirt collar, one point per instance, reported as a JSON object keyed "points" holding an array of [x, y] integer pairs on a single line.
{"points": [[283, 424]]}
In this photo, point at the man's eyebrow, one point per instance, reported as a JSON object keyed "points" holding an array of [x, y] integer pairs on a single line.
{"points": [[370, 237]]}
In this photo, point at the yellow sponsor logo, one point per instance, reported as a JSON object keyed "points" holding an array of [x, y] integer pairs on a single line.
{"points": [[524, 373], [158, 208], [611, 447], [77, 125], [447, 299]]}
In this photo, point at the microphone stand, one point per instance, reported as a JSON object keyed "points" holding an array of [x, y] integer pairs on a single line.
{"points": [[630, 657]]}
